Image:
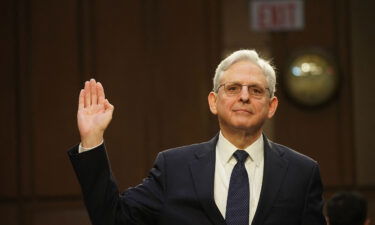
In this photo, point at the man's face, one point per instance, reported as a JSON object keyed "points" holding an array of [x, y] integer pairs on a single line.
{"points": [[243, 111]]}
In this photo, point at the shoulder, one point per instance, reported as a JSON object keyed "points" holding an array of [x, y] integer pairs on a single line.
{"points": [[292, 155], [187, 151], [300, 167], [178, 160]]}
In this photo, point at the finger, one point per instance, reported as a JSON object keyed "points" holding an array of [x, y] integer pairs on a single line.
{"points": [[108, 106], [94, 97], [81, 99], [100, 91], [87, 94]]}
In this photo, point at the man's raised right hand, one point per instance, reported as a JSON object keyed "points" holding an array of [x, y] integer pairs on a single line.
{"points": [[94, 114]]}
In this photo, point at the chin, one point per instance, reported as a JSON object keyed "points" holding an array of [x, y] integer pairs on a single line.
{"points": [[240, 124], [243, 123], [243, 126], [249, 126]]}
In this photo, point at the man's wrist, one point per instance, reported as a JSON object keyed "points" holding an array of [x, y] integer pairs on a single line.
{"points": [[84, 149], [91, 141]]}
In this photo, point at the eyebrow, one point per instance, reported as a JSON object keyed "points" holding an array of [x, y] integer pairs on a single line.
{"points": [[249, 84]]}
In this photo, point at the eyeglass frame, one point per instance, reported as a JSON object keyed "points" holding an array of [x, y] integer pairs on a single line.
{"points": [[248, 88]]}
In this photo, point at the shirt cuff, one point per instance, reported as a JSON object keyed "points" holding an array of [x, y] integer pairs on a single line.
{"points": [[82, 149]]}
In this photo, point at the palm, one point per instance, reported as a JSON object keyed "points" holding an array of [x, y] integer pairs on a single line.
{"points": [[94, 113], [92, 119]]}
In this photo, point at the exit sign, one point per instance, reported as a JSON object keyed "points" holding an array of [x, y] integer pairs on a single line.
{"points": [[277, 15]]}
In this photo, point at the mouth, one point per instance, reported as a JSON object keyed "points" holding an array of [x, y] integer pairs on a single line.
{"points": [[242, 111]]}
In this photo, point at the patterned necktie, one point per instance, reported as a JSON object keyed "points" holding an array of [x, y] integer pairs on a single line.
{"points": [[237, 212]]}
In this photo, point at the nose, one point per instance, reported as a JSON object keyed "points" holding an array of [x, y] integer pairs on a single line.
{"points": [[244, 94]]}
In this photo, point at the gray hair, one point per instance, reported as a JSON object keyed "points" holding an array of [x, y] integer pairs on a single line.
{"points": [[246, 55]]}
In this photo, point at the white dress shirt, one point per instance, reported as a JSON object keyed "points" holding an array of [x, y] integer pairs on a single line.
{"points": [[224, 165]]}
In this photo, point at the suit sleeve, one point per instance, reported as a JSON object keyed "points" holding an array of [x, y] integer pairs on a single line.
{"points": [[313, 211], [105, 205]]}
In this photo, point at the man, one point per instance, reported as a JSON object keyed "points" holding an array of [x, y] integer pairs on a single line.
{"points": [[239, 177], [347, 208]]}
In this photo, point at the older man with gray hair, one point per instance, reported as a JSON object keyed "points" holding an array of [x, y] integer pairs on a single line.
{"points": [[239, 177]]}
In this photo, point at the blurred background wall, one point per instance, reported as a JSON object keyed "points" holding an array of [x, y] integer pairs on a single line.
{"points": [[156, 60]]}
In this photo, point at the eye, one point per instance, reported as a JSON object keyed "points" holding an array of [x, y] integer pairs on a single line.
{"points": [[233, 87], [256, 91]]}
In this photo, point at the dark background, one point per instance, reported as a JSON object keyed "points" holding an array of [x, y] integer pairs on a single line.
{"points": [[156, 60]]}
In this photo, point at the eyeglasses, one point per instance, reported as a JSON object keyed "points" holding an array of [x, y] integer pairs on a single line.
{"points": [[233, 89]]}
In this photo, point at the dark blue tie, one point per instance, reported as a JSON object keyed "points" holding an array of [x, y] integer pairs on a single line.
{"points": [[237, 212]]}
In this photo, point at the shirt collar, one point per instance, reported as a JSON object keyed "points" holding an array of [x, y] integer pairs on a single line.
{"points": [[226, 150]]}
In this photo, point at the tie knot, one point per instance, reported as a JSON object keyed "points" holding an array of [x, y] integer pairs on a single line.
{"points": [[240, 155]]}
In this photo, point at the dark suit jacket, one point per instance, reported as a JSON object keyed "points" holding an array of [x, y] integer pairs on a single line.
{"points": [[179, 188]]}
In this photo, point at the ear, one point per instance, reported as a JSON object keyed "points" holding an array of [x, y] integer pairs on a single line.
{"points": [[212, 98], [272, 106]]}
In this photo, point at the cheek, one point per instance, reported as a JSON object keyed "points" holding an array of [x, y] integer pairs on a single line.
{"points": [[264, 110], [260, 108], [226, 106]]}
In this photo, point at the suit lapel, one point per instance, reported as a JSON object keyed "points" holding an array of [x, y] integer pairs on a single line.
{"points": [[203, 170], [275, 167]]}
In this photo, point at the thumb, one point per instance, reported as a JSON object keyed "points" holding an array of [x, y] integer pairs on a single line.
{"points": [[108, 106]]}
